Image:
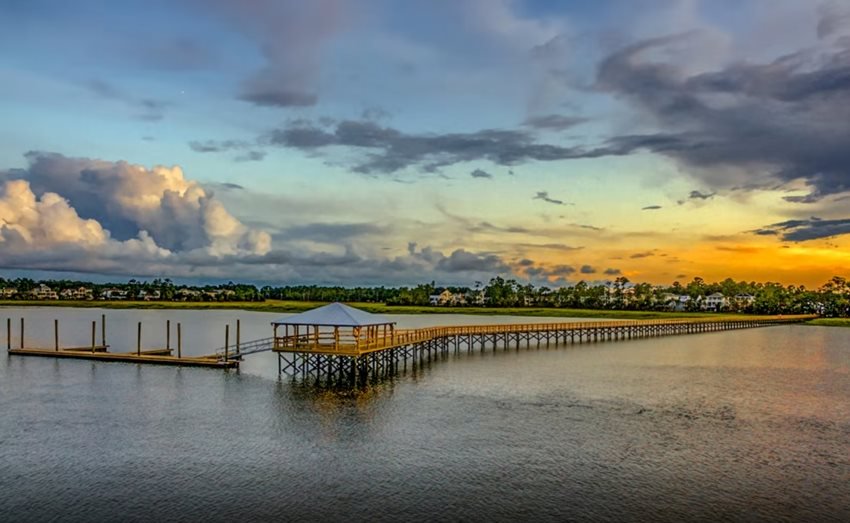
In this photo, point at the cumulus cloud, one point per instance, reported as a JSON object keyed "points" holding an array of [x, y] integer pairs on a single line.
{"points": [[128, 200], [46, 232]]}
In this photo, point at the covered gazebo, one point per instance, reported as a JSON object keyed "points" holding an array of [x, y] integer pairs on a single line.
{"points": [[334, 327]]}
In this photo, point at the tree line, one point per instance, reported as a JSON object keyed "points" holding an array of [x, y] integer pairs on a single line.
{"points": [[831, 299]]}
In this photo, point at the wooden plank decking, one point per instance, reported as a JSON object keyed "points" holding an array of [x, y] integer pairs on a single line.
{"points": [[322, 343], [155, 356]]}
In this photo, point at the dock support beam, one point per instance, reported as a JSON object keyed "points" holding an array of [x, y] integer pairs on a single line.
{"points": [[139, 340], [103, 330], [238, 333], [8, 333], [179, 340], [56, 335], [22, 332], [226, 340], [168, 334], [93, 335]]}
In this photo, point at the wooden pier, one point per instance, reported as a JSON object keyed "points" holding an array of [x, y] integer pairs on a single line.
{"points": [[99, 351], [372, 351]]}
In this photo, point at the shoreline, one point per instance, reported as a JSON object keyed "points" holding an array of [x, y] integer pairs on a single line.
{"points": [[282, 306]]}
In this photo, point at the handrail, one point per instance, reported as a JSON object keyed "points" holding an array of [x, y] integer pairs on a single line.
{"points": [[408, 336]]}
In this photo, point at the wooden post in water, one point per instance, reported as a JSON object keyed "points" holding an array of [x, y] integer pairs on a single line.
{"points": [[168, 334], [56, 335], [8, 333], [93, 334], [103, 330], [226, 339], [22, 332], [179, 340], [139, 340], [238, 333]]}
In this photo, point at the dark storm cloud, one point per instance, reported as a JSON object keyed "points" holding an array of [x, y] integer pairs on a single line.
{"points": [[651, 208], [387, 150], [803, 230], [479, 173], [789, 117], [697, 195], [465, 261], [544, 195], [554, 122], [587, 269], [291, 37], [612, 272]]}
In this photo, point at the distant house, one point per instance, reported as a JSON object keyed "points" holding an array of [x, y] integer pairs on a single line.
{"points": [[715, 302], [148, 296], [187, 295], [43, 292], [113, 294], [8, 292], [744, 300], [80, 293], [676, 302], [444, 298]]}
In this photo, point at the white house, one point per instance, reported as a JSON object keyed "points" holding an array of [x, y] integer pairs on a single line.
{"points": [[715, 302], [113, 294]]}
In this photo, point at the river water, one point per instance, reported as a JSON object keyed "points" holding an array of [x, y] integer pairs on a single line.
{"points": [[740, 426]]}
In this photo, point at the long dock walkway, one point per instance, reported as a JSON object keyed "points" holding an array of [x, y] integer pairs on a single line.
{"points": [[374, 353]]}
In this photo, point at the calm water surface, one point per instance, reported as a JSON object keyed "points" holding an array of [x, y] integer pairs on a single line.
{"points": [[742, 426]]}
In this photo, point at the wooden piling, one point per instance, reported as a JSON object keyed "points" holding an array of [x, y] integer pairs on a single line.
{"points": [[167, 334], [22, 332], [179, 340], [238, 334], [93, 335], [139, 340], [56, 335], [8, 334], [226, 339], [103, 329]]}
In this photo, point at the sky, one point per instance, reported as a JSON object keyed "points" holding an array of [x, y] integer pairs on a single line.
{"points": [[377, 142]]}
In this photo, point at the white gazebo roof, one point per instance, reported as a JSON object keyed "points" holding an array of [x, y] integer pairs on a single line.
{"points": [[336, 315]]}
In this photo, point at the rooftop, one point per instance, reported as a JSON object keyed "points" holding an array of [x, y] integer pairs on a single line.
{"points": [[337, 315]]}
